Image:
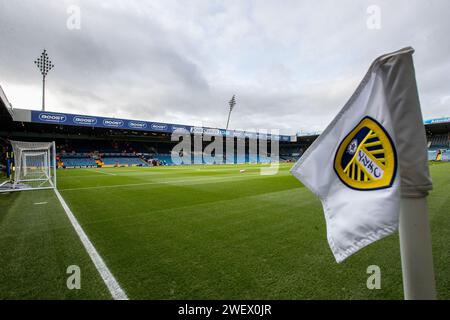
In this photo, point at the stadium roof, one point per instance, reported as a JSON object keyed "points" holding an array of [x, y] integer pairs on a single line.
{"points": [[6, 105], [437, 120], [66, 119], [438, 126]]}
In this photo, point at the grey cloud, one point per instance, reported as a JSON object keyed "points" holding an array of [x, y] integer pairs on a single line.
{"points": [[292, 65]]}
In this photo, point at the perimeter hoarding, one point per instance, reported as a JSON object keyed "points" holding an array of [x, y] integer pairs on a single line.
{"points": [[126, 124]]}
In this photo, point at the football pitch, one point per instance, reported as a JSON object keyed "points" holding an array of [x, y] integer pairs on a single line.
{"points": [[196, 232]]}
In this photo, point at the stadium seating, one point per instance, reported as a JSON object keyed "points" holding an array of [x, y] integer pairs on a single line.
{"points": [[240, 159], [114, 153], [166, 159], [124, 161], [264, 159], [87, 153], [252, 158], [439, 141], [82, 160], [78, 162]]}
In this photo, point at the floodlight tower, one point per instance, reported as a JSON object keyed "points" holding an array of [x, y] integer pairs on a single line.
{"points": [[232, 103], [45, 65]]}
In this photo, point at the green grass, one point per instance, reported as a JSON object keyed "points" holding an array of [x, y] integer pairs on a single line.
{"points": [[37, 244], [199, 232]]}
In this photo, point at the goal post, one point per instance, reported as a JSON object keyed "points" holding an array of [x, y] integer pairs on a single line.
{"points": [[34, 166]]}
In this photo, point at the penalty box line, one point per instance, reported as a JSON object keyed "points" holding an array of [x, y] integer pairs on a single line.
{"points": [[113, 286]]}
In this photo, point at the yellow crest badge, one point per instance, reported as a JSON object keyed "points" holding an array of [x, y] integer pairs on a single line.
{"points": [[366, 159]]}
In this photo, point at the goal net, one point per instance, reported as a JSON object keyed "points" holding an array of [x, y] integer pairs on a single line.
{"points": [[34, 166]]}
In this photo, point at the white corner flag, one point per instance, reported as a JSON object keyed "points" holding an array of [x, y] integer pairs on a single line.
{"points": [[371, 156]]}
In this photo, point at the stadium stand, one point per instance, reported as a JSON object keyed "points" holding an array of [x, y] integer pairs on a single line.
{"points": [[96, 146], [438, 136], [123, 161], [76, 162], [439, 141], [165, 159]]}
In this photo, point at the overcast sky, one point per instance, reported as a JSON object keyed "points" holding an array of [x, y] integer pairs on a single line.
{"points": [[292, 64]]}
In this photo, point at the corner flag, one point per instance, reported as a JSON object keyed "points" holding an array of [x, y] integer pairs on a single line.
{"points": [[370, 156]]}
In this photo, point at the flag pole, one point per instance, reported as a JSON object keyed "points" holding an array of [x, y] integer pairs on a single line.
{"points": [[415, 250]]}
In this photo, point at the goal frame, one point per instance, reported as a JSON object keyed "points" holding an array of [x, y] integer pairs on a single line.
{"points": [[47, 178]]}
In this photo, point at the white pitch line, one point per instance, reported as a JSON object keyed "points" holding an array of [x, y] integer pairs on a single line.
{"points": [[40, 203], [113, 286], [190, 181], [108, 173]]}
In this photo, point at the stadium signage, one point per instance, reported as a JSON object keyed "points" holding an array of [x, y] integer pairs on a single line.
{"points": [[212, 132], [197, 130], [113, 123], [437, 120], [137, 125], [159, 127], [52, 117], [84, 120], [180, 128], [100, 122]]}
